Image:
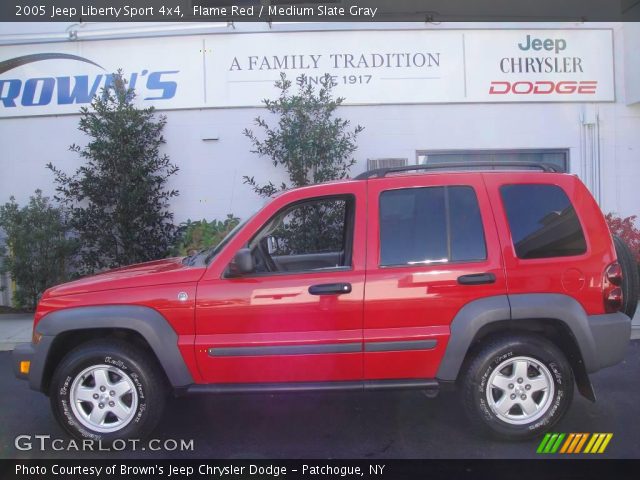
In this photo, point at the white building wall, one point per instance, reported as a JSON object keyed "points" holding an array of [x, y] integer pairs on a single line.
{"points": [[210, 177]]}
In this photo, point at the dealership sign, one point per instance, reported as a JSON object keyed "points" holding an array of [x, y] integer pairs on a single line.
{"points": [[366, 67]]}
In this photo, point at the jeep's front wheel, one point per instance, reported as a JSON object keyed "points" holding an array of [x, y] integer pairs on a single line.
{"points": [[518, 386], [105, 390]]}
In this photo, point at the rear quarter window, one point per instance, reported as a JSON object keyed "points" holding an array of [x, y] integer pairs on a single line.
{"points": [[543, 222]]}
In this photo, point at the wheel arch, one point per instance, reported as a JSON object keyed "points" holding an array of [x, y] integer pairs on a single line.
{"points": [[141, 326], [555, 317]]}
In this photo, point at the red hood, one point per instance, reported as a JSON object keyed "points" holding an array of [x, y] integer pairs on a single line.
{"points": [[158, 272]]}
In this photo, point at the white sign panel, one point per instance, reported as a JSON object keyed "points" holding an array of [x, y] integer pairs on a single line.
{"points": [[539, 65], [366, 67]]}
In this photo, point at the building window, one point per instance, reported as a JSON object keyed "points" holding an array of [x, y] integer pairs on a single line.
{"points": [[430, 225], [542, 221], [557, 157]]}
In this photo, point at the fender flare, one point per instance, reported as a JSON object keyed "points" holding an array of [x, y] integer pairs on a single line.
{"points": [[147, 322], [475, 315]]}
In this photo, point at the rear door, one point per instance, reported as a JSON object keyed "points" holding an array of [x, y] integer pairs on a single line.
{"points": [[432, 248]]}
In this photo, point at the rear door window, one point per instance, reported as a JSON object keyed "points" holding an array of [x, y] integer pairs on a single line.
{"points": [[430, 225], [542, 221]]}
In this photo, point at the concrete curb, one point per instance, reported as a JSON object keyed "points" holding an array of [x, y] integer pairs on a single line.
{"points": [[14, 329], [8, 347]]}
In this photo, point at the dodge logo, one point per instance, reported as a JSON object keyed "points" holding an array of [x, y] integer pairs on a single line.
{"points": [[543, 87]]}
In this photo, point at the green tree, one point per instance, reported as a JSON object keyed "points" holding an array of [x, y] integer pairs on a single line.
{"points": [[38, 247], [309, 141], [313, 145], [118, 200], [198, 235]]}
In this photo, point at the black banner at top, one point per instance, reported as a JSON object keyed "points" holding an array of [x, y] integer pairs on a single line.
{"points": [[431, 11]]}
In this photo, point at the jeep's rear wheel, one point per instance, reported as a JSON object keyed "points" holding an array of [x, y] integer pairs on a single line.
{"points": [[630, 280], [517, 386], [105, 390]]}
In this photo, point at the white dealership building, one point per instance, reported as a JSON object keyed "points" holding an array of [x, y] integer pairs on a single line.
{"points": [[564, 93]]}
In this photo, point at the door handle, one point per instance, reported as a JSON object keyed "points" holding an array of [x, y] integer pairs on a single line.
{"points": [[477, 279], [330, 289]]}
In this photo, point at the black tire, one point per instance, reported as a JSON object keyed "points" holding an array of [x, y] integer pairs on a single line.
{"points": [[123, 363], [630, 279], [495, 353]]}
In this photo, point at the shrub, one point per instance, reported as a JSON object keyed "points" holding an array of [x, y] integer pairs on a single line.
{"points": [[38, 247], [309, 141], [313, 146], [195, 236], [118, 200], [626, 229]]}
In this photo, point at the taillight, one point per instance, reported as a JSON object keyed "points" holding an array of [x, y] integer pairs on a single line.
{"points": [[611, 288], [614, 274]]}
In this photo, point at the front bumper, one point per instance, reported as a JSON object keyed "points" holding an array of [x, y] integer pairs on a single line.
{"points": [[611, 334], [37, 355]]}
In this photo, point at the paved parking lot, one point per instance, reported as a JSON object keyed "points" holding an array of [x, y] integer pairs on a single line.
{"points": [[335, 425]]}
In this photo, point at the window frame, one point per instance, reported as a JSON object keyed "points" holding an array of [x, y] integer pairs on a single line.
{"points": [[448, 233], [349, 235]]}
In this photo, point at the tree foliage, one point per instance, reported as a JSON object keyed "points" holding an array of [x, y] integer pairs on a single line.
{"points": [[309, 141], [118, 199], [38, 247], [201, 234], [313, 146], [626, 229]]}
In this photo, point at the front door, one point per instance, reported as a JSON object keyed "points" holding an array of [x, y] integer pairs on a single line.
{"points": [[298, 316]]}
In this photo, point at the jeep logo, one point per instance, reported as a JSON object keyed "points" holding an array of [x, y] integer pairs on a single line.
{"points": [[548, 44]]}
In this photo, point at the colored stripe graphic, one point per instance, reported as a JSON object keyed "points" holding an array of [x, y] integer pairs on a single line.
{"points": [[592, 440], [576, 445], [556, 445], [567, 443], [543, 443], [605, 443], [573, 443]]}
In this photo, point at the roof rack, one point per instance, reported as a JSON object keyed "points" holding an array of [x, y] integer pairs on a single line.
{"points": [[382, 172]]}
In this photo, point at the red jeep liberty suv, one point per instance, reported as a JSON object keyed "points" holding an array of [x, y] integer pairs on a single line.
{"points": [[502, 280]]}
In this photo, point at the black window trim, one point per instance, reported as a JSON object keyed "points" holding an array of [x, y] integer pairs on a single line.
{"points": [[448, 223], [350, 198]]}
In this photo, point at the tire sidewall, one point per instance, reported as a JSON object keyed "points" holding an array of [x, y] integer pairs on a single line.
{"points": [[74, 365], [560, 373]]}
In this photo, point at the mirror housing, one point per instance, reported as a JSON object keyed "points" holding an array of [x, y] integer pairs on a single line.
{"points": [[242, 262]]}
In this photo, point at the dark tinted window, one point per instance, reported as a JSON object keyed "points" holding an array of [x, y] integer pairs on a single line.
{"points": [[543, 222], [430, 225]]}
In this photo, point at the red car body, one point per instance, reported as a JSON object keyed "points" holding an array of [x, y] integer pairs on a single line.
{"points": [[385, 304]]}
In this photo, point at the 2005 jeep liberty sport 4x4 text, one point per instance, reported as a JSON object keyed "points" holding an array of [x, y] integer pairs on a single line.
{"points": [[502, 280]]}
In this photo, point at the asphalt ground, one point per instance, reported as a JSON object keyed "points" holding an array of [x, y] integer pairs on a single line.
{"points": [[400, 424]]}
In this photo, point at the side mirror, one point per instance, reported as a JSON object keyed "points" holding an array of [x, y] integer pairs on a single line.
{"points": [[242, 262]]}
